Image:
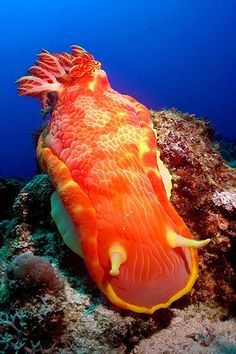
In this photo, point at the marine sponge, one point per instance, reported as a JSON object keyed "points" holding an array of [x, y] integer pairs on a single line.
{"points": [[27, 271]]}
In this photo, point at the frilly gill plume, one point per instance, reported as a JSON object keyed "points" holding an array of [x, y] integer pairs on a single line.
{"points": [[52, 70]]}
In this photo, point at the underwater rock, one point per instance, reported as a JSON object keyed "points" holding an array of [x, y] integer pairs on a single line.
{"points": [[3, 228], [194, 330], [32, 203], [227, 150], [203, 193], [9, 189], [32, 211]]}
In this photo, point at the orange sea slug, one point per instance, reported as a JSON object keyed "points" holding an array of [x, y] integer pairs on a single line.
{"points": [[111, 203]]}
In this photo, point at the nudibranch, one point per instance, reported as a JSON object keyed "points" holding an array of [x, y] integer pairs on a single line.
{"points": [[111, 201]]}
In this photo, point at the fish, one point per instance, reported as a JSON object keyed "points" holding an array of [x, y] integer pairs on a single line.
{"points": [[111, 202]]}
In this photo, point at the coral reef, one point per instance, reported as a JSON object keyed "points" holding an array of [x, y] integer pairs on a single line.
{"points": [[14, 334], [227, 150], [73, 316], [204, 194], [9, 189], [30, 331]]}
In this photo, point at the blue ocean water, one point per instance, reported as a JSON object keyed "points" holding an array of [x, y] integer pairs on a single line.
{"points": [[164, 53]]}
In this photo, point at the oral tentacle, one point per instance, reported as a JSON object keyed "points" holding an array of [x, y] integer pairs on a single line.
{"points": [[174, 240], [118, 256]]}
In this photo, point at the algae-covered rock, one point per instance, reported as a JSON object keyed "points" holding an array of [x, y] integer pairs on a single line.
{"points": [[32, 204], [9, 189], [204, 194]]}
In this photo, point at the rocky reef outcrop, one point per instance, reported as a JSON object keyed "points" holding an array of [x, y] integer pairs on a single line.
{"points": [[73, 316]]}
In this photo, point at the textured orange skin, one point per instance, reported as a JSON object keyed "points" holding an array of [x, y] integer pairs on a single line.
{"points": [[99, 151]]}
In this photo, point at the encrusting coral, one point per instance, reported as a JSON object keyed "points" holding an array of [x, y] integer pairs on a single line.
{"points": [[79, 318]]}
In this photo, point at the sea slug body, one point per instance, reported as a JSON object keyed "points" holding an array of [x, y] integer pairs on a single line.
{"points": [[111, 200]]}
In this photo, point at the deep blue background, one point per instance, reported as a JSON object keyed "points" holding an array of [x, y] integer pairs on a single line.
{"points": [[164, 53]]}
